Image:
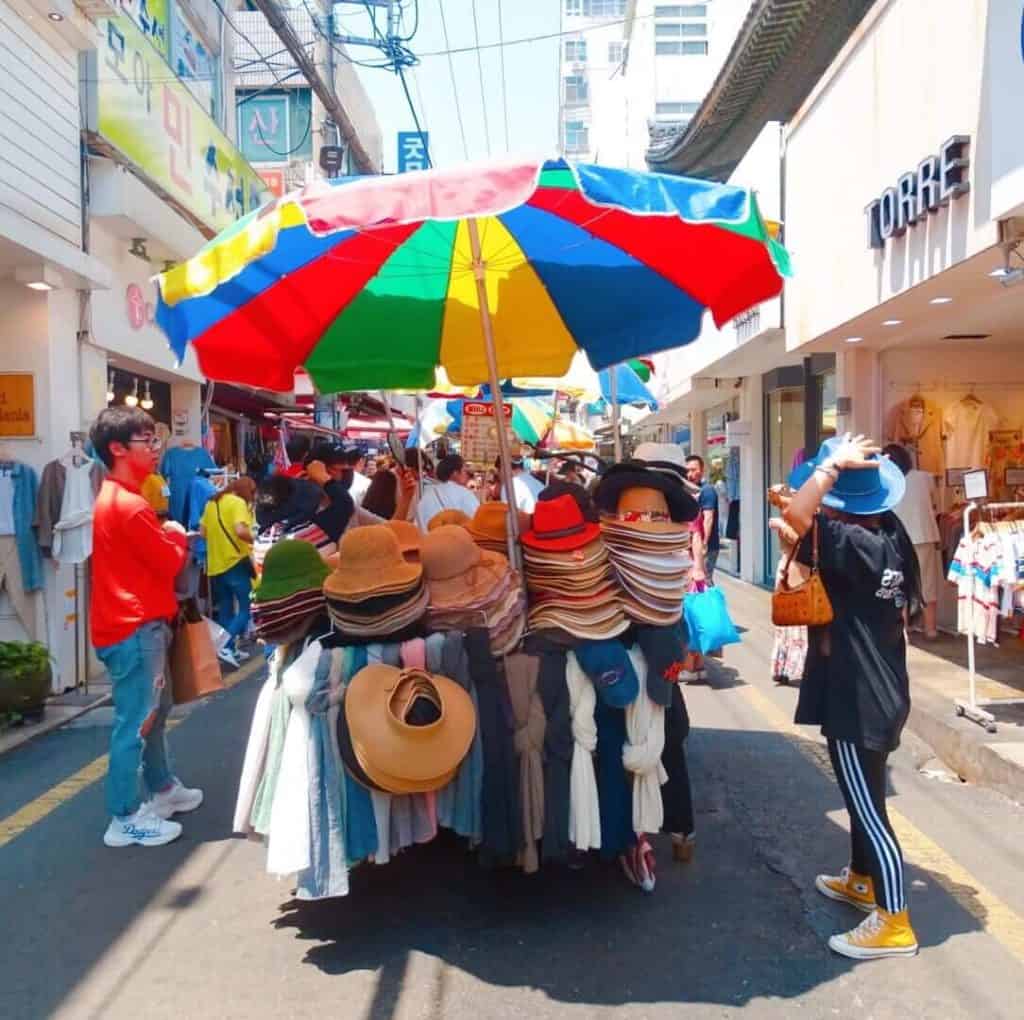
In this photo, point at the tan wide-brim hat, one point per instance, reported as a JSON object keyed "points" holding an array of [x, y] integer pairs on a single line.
{"points": [[409, 538], [458, 570], [397, 755], [439, 520], [370, 562]]}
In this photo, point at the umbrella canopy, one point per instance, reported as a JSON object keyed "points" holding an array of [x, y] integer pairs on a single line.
{"points": [[564, 435], [371, 283]]}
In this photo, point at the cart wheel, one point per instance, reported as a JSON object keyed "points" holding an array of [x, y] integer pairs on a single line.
{"points": [[991, 727], [959, 710]]}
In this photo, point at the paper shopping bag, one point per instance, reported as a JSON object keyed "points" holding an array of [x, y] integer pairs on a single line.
{"points": [[195, 670]]}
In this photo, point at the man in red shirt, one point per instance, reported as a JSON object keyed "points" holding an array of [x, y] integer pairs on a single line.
{"points": [[134, 564]]}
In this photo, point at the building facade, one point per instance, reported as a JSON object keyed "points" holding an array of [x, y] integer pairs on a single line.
{"points": [[633, 72]]}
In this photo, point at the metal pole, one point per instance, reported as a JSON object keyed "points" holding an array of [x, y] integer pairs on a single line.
{"points": [[613, 392], [551, 431], [480, 272]]}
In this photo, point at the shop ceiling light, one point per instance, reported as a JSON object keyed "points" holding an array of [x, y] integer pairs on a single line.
{"points": [[893, 322], [132, 399], [38, 277], [147, 400], [967, 336], [55, 16], [854, 339], [940, 301], [110, 387]]}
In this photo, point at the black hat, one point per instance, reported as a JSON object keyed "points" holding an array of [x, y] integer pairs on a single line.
{"points": [[663, 476]]}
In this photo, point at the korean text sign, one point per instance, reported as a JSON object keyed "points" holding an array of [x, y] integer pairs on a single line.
{"points": [[138, 106]]}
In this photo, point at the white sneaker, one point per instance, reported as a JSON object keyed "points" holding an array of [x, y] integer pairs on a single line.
{"points": [[228, 656], [177, 800], [141, 829]]}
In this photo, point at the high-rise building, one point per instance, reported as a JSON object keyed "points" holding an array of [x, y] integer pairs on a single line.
{"points": [[633, 72]]}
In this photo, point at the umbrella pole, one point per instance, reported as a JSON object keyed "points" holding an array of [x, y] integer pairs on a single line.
{"points": [[479, 272], [613, 392], [551, 431]]}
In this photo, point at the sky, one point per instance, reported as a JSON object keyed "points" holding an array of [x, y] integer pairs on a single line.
{"points": [[531, 79]]}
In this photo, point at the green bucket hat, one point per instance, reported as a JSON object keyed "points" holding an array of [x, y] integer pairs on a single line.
{"points": [[290, 566]]}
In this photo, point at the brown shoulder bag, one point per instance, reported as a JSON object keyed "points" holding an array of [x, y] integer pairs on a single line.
{"points": [[806, 604]]}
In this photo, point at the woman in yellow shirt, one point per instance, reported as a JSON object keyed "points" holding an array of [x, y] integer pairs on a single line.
{"points": [[227, 526]]}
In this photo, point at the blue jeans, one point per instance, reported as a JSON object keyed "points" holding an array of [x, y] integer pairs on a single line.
{"points": [[232, 588], [142, 698]]}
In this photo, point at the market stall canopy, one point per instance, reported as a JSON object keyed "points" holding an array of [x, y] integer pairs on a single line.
{"points": [[371, 283]]}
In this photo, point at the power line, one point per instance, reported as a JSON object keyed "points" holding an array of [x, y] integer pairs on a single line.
{"points": [[455, 91], [415, 116], [483, 91], [234, 28], [504, 97], [530, 38]]}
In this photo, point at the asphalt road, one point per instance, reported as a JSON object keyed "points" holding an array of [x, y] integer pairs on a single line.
{"points": [[197, 929]]}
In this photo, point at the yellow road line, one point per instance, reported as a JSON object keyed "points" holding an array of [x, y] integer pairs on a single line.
{"points": [[36, 810], [993, 915]]}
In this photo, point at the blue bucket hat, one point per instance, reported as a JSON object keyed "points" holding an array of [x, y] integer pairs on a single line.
{"points": [[862, 491], [612, 674]]}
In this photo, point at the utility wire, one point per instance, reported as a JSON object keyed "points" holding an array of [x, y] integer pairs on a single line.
{"points": [[447, 52], [415, 116], [455, 90], [234, 28], [483, 91], [504, 96]]}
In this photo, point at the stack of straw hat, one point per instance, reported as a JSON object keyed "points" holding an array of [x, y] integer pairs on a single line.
{"points": [[290, 593], [646, 505], [472, 587], [568, 573], [489, 527], [375, 593]]}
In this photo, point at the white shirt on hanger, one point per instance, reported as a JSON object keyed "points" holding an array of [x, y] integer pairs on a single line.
{"points": [[6, 503], [967, 425]]}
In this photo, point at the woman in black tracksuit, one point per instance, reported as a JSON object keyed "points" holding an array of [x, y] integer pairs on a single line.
{"points": [[855, 684]]}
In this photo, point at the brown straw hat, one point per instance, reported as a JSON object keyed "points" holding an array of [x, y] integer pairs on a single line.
{"points": [[409, 538], [457, 569], [370, 561], [490, 523], [409, 729], [439, 520]]}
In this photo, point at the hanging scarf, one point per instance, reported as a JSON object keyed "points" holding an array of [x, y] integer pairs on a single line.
{"points": [[584, 808], [641, 754], [255, 756], [521, 676]]}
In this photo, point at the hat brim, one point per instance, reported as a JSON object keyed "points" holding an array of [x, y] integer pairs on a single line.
{"points": [[470, 587], [886, 496], [682, 506], [564, 543], [350, 583], [407, 759]]}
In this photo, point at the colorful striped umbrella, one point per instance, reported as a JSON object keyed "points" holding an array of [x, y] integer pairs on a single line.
{"points": [[373, 283]]}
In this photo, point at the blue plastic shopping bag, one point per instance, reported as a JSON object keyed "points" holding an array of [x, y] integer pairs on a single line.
{"points": [[707, 619]]}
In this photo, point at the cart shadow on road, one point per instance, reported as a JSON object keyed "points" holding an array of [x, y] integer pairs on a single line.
{"points": [[740, 923]]}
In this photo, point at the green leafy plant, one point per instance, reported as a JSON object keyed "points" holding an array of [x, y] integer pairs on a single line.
{"points": [[25, 676]]}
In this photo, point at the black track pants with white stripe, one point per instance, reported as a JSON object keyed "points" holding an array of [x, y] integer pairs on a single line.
{"points": [[876, 851]]}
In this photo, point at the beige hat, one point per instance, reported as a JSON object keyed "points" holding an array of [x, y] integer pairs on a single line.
{"points": [[396, 753], [369, 563]]}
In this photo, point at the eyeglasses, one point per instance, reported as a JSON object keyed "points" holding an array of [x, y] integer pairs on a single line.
{"points": [[153, 442]]}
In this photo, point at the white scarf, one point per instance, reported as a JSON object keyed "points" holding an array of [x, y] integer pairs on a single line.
{"points": [[584, 807], [289, 837], [641, 754]]}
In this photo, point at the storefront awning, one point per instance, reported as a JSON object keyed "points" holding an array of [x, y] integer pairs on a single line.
{"points": [[782, 50]]}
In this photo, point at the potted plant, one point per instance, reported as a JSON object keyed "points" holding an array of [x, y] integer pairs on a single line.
{"points": [[25, 677]]}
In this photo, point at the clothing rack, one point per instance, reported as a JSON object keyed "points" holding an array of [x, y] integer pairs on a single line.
{"points": [[971, 709]]}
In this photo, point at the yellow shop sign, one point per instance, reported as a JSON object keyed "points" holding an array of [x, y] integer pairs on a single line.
{"points": [[138, 108]]}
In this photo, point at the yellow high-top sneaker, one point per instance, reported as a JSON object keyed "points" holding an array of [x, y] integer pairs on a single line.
{"points": [[848, 887], [880, 934]]}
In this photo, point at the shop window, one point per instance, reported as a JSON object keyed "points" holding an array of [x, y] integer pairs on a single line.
{"points": [[604, 8], [576, 50], [577, 136], [616, 52], [681, 49], [573, 8], [576, 89]]}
